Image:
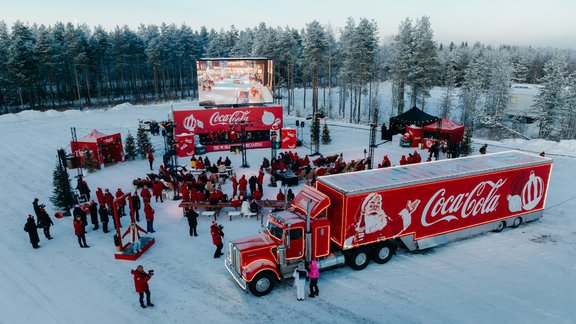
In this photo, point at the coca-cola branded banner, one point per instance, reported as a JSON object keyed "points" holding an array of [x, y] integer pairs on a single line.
{"points": [[224, 119], [288, 138], [185, 145], [227, 147], [436, 208]]}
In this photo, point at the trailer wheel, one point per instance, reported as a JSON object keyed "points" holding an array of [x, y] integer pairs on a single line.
{"points": [[383, 253], [358, 259], [517, 222], [262, 284], [500, 227]]}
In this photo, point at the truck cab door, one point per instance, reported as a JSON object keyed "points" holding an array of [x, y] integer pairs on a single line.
{"points": [[296, 246]]}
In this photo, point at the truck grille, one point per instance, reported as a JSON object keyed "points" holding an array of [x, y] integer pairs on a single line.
{"points": [[235, 258]]}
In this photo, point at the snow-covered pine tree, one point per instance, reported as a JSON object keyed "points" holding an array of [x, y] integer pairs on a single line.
{"points": [[62, 196], [473, 88], [143, 142], [326, 134], [130, 147], [401, 63], [549, 100], [568, 124], [449, 76], [366, 47], [467, 142], [89, 162], [498, 94], [424, 62]]}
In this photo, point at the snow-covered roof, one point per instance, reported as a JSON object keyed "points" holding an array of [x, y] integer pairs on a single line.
{"points": [[387, 178]]}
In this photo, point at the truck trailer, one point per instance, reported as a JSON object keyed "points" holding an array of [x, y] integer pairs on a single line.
{"points": [[353, 218]]}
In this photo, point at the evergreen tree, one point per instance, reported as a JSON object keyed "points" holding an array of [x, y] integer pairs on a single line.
{"points": [[401, 63], [549, 101], [143, 142], [326, 134], [62, 196], [130, 147], [467, 142], [568, 124], [424, 62], [90, 163]]}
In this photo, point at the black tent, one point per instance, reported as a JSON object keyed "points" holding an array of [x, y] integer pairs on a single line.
{"points": [[414, 116]]}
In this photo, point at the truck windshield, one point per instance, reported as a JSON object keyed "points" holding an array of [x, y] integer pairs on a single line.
{"points": [[274, 230]]}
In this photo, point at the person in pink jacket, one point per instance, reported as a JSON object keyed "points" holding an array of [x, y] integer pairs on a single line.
{"points": [[313, 274]]}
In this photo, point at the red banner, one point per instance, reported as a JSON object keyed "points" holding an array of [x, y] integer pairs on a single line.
{"points": [[288, 138], [185, 145], [441, 207], [227, 147], [203, 121]]}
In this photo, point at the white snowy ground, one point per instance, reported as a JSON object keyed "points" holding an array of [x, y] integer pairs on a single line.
{"points": [[524, 275]]}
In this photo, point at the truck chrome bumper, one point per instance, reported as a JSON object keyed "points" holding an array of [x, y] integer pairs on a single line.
{"points": [[237, 277]]}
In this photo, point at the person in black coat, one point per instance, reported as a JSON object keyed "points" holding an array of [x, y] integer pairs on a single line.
{"points": [[136, 205], [45, 222], [192, 216], [94, 214], [252, 183], [103, 212], [32, 230]]}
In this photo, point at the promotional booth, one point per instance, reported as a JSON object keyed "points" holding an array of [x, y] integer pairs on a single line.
{"points": [[412, 137], [444, 130], [104, 148], [221, 129], [414, 116]]}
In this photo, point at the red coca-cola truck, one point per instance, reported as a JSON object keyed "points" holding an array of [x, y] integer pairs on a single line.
{"points": [[353, 218]]}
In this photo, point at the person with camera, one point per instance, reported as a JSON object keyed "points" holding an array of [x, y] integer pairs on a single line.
{"points": [[37, 206], [141, 284], [192, 216], [217, 235]]}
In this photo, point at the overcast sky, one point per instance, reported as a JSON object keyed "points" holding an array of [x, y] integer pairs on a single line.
{"points": [[518, 22]]}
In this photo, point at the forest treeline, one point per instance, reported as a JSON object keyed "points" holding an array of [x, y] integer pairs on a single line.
{"points": [[67, 65]]}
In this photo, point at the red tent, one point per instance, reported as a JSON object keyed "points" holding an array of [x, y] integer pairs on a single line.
{"points": [[446, 130], [107, 148]]}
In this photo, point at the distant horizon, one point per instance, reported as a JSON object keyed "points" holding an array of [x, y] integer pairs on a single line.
{"points": [[490, 22]]}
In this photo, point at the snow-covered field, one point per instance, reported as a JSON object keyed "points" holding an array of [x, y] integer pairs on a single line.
{"points": [[523, 275]]}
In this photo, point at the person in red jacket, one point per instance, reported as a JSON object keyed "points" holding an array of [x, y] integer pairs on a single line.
{"points": [[234, 185], [280, 196], [257, 195], [146, 195], [242, 184], [260, 181], [149, 212], [157, 189], [141, 284], [184, 191], [217, 235], [80, 231], [151, 158], [109, 199], [403, 160], [121, 203], [100, 196]]}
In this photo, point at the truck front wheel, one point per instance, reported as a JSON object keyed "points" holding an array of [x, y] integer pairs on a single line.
{"points": [[383, 253], [262, 283], [358, 259]]}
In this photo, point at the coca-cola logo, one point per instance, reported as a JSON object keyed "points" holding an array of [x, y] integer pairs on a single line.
{"points": [[218, 118], [482, 199], [190, 123]]}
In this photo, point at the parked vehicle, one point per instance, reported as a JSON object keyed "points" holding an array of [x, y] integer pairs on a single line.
{"points": [[353, 218]]}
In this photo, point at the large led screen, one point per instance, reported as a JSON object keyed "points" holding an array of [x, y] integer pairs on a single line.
{"points": [[234, 81]]}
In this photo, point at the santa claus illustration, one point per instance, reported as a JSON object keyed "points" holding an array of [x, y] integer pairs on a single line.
{"points": [[373, 219]]}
